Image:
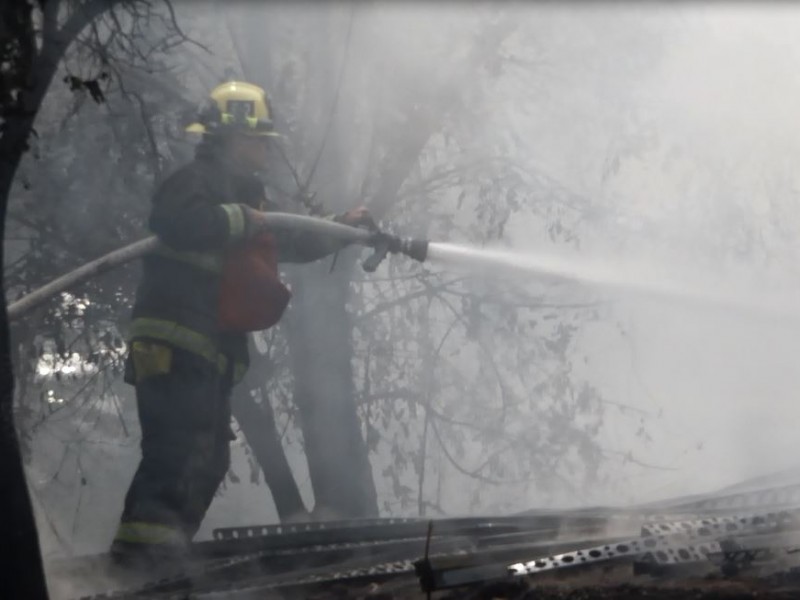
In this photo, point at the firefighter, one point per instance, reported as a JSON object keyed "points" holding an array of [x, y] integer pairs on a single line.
{"points": [[213, 279]]}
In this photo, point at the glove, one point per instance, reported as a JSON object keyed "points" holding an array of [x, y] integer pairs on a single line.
{"points": [[358, 217]]}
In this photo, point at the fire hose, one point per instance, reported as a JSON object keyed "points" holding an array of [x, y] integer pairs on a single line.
{"points": [[382, 243]]}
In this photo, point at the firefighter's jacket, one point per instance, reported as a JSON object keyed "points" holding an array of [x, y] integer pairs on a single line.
{"points": [[197, 215]]}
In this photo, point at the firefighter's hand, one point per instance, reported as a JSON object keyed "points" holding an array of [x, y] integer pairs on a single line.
{"points": [[358, 217]]}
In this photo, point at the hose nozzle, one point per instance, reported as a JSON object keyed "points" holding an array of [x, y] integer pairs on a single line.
{"points": [[416, 249], [383, 243]]}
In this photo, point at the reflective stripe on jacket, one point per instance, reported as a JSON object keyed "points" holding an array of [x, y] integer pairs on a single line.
{"points": [[199, 215]]}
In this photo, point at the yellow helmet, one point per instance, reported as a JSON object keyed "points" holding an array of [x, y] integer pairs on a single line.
{"points": [[236, 107]]}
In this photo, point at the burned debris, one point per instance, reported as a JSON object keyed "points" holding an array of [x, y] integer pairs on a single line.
{"points": [[733, 545]]}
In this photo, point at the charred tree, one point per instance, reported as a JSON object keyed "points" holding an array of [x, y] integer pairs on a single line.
{"points": [[30, 63], [34, 39]]}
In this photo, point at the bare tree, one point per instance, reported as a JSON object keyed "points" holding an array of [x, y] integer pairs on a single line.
{"points": [[35, 37]]}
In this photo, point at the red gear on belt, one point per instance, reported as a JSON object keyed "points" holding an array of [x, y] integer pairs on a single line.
{"points": [[252, 296]]}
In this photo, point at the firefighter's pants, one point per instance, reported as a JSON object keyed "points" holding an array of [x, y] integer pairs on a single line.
{"points": [[184, 411]]}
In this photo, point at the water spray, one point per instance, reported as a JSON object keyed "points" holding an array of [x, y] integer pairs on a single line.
{"points": [[628, 276]]}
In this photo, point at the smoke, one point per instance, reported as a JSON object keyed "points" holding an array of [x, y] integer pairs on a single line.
{"points": [[664, 135], [712, 190], [678, 128]]}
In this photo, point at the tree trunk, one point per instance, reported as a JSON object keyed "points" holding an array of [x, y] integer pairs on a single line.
{"points": [[318, 325], [21, 555], [320, 341], [258, 425]]}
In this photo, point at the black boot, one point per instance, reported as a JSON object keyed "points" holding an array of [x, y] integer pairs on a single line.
{"points": [[153, 559]]}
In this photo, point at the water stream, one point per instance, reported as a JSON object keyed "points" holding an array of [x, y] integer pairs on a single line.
{"points": [[629, 277]]}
